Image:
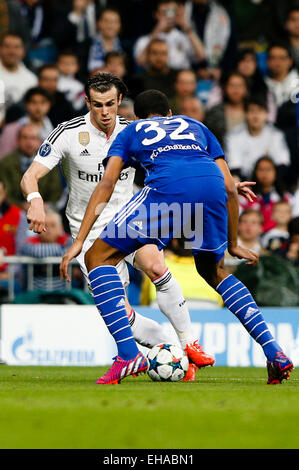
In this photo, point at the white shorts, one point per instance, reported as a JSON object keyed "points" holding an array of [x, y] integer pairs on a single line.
{"points": [[121, 267]]}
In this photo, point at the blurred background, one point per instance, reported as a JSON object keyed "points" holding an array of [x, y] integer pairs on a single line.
{"points": [[232, 64]]}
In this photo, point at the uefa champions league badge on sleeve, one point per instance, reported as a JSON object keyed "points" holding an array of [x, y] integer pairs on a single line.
{"points": [[44, 150]]}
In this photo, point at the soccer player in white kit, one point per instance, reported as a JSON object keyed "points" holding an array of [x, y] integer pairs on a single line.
{"points": [[81, 145]]}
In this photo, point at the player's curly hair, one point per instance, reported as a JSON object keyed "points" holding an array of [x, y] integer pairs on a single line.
{"points": [[104, 81]]}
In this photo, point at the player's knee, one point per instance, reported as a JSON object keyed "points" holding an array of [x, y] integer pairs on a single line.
{"points": [[155, 269], [88, 258]]}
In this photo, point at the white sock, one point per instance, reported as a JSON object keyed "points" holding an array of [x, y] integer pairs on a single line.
{"points": [[172, 303], [146, 331]]}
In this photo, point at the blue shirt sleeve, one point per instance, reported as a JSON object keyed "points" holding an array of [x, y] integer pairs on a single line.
{"points": [[214, 147], [121, 147]]}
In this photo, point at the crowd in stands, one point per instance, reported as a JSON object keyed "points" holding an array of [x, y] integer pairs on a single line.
{"points": [[232, 64]]}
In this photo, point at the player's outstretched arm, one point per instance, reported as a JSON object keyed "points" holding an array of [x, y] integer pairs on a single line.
{"points": [[96, 205], [29, 186], [233, 216]]}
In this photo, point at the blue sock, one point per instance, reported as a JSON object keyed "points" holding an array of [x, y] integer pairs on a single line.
{"points": [[240, 302], [109, 297]]}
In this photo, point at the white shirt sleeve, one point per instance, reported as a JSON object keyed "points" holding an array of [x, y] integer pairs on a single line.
{"points": [[52, 149]]}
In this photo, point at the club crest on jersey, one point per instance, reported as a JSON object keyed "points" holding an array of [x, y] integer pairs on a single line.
{"points": [[45, 150], [84, 138]]}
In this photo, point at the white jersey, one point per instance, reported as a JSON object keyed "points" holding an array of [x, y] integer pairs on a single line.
{"points": [[81, 149]]}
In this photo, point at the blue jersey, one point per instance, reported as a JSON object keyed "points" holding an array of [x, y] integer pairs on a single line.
{"points": [[169, 149]]}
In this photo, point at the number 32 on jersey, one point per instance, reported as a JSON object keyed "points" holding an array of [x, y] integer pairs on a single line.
{"points": [[177, 134]]}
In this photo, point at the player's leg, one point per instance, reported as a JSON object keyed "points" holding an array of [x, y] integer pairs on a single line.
{"points": [[240, 302], [109, 296], [146, 331], [171, 302], [170, 297]]}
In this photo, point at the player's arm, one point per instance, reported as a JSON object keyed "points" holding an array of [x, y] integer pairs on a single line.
{"points": [[96, 205], [233, 216], [100, 196], [29, 186]]}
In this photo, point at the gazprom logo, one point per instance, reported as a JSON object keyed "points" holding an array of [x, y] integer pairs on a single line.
{"points": [[25, 351]]}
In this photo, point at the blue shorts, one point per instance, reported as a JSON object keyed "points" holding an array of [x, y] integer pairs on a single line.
{"points": [[194, 210]]}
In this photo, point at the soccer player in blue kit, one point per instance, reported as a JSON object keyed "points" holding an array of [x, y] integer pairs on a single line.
{"points": [[187, 180]]}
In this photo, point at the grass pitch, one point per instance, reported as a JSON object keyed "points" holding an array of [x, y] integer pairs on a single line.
{"points": [[227, 408]]}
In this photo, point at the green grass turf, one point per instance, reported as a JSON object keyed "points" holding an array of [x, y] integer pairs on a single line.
{"points": [[227, 408]]}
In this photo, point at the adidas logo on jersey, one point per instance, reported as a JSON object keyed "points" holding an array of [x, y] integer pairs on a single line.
{"points": [[85, 153], [250, 311], [121, 303]]}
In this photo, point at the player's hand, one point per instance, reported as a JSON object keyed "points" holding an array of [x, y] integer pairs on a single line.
{"points": [[244, 190], [71, 253], [244, 253], [36, 216]]}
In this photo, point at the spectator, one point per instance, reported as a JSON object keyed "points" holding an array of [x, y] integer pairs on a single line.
{"points": [[39, 15], [157, 75], [68, 84], [52, 242], [106, 40], [282, 79], [13, 227], [249, 141], [192, 107], [116, 63], [277, 236], [185, 47], [12, 20], [224, 117], [16, 77], [250, 230], [75, 29], [290, 249], [247, 66], [184, 86], [268, 190], [214, 27], [292, 29], [287, 122], [61, 109], [37, 104], [14, 165]]}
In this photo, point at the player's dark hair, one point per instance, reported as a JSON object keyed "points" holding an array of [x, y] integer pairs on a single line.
{"points": [[36, 91], [103, 82], [151, 102], [3, 183]]}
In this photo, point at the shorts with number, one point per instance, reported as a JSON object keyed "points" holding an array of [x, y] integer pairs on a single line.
{"points": [[195, 210]]}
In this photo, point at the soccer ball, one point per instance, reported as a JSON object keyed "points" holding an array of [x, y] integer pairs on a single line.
{"points": [[167, 363]]}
